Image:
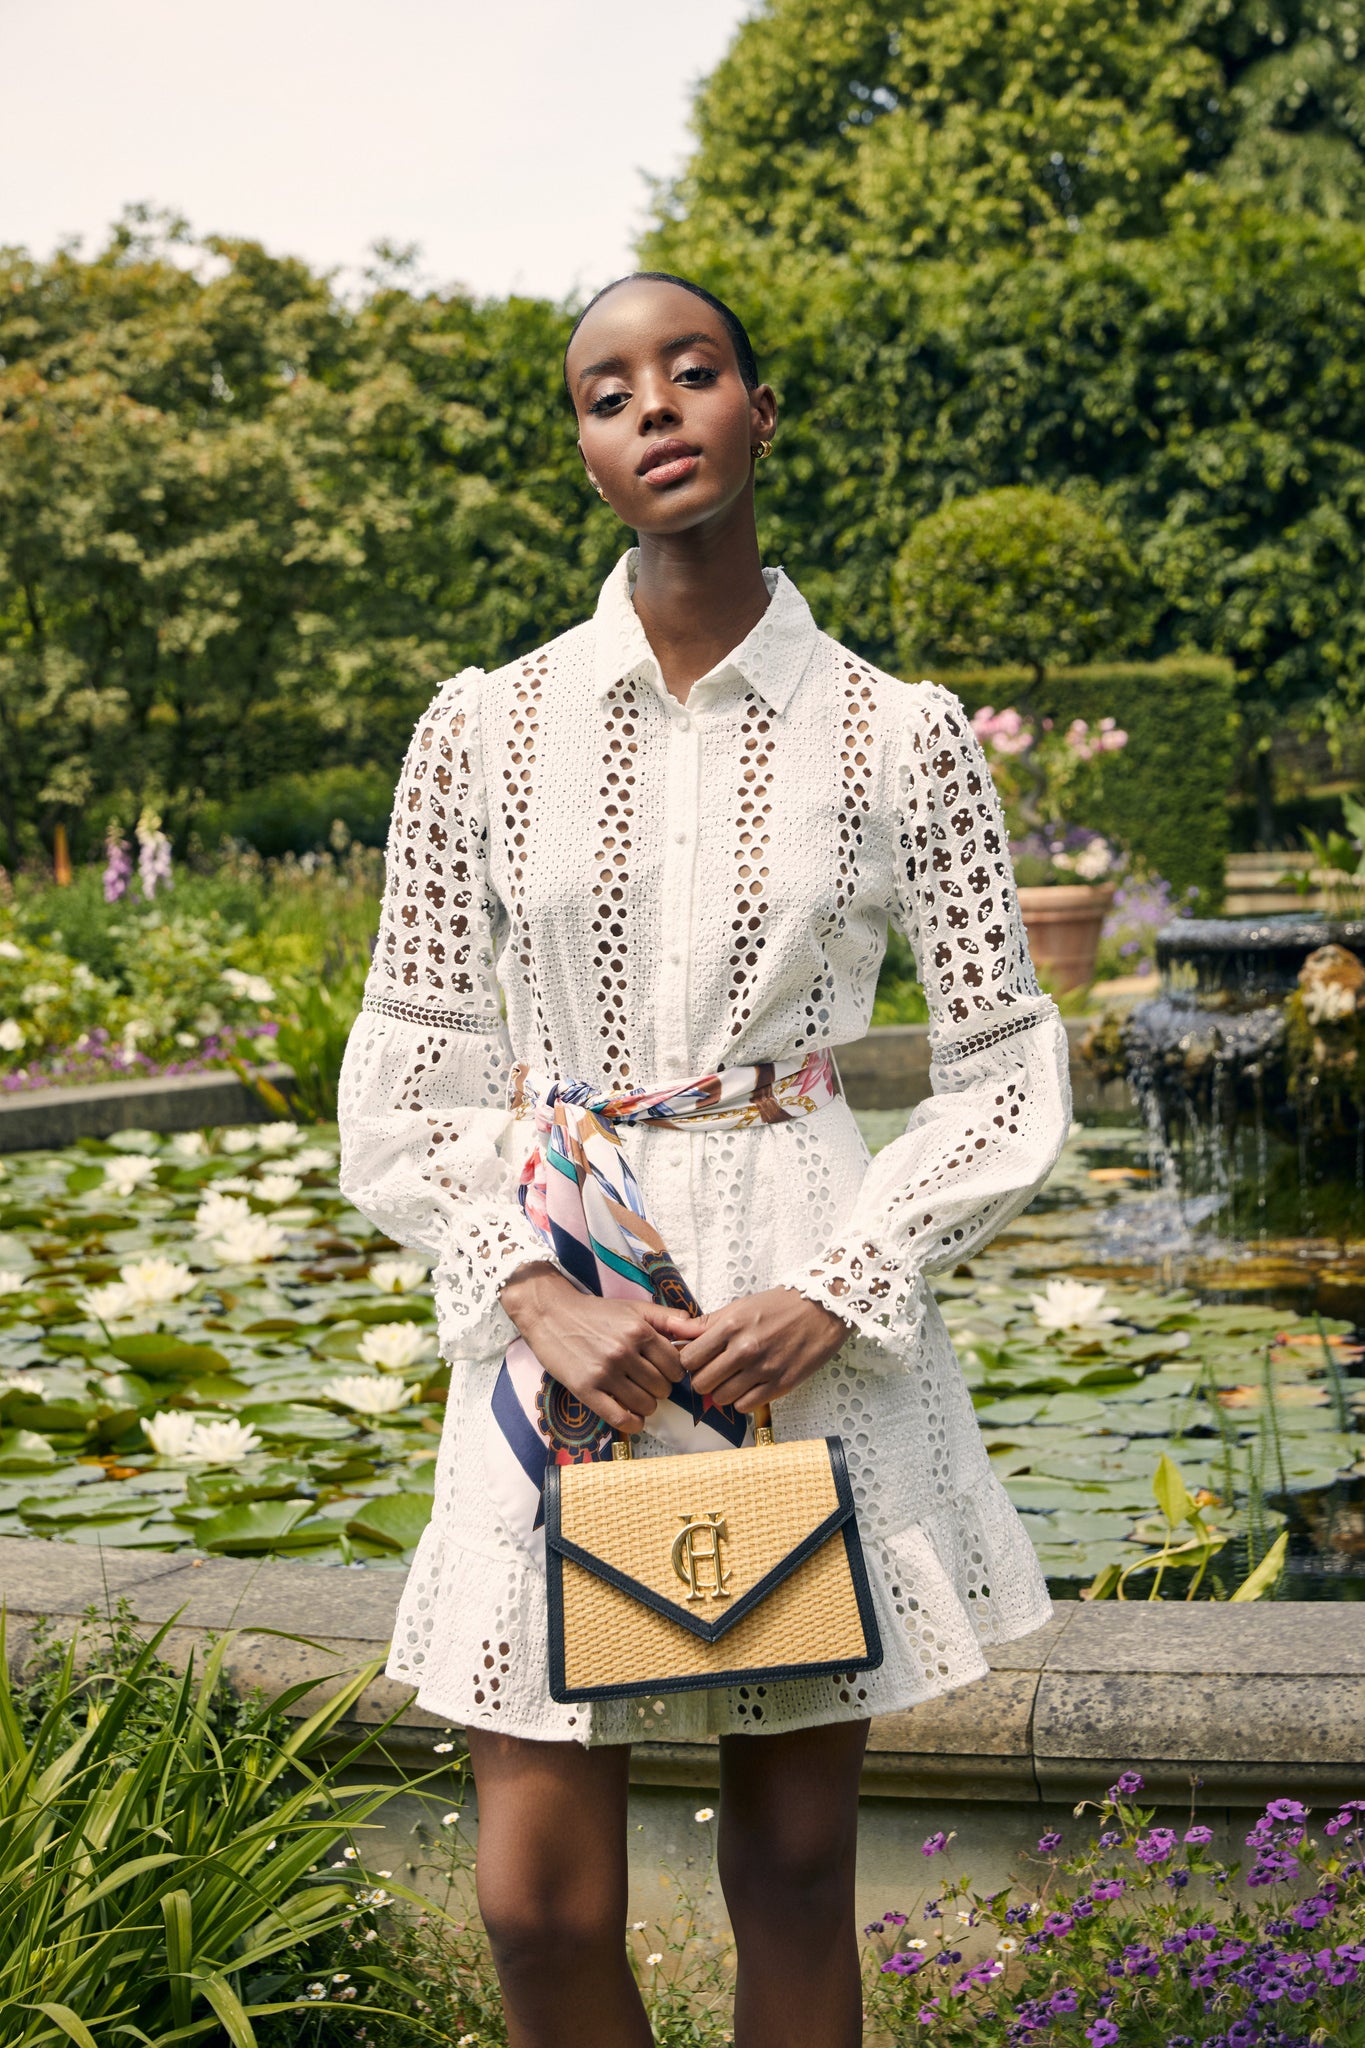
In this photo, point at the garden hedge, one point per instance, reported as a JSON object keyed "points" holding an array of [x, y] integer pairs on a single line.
{"points": [[1166, 794]]}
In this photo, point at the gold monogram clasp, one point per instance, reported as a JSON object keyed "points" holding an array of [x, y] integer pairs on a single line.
{"points": [[697, 1556]]}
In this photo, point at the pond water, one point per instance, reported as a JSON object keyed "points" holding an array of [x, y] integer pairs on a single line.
{"points": [[202, 1346]]}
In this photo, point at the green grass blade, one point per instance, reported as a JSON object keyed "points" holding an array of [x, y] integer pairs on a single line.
{"points": [[229, 2009], [177, 1910], [71, 2024]]}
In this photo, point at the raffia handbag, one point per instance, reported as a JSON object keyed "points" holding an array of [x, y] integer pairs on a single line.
{"points": [[671, 1574]]}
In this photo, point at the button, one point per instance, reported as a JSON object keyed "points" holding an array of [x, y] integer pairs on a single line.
{"points": [[680, 838], [675, 959], [684, 722]]}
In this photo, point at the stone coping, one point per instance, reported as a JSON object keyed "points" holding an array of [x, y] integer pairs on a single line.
{"points": [[889, 1069], [36, 1119], [1257, 1701]]}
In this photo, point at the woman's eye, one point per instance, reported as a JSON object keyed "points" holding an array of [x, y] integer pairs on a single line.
{"points": [[699, 372], [610, 401]]}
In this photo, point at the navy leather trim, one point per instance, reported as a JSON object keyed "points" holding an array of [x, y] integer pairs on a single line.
{"points": [[843, 1519]]}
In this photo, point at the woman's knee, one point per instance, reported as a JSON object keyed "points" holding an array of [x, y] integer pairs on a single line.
{"points": [[788, 1870], [553, 1926]]}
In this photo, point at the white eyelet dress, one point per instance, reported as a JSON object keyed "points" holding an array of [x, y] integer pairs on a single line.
{"points": [[660, 890]]}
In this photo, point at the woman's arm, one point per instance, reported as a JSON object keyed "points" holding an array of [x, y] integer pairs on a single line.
{"points": [[977, 1151]]}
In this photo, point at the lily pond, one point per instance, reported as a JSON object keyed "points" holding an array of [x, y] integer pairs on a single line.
{"points": [[204, 1347]]}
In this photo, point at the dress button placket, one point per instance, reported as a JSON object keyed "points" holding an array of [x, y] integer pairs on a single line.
{"points": [[681, 796]]}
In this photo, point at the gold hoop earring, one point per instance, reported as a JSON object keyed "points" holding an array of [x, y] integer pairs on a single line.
{"points": [[758, 449]]}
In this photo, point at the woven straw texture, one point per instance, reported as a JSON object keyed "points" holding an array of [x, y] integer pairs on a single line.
{"points": [[631, 1515]]}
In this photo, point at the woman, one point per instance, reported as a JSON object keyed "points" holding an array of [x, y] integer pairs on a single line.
{"points": [[673, 838]]}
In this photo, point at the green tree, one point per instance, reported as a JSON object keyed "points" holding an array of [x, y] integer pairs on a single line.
{"points": [[1015, 576]]}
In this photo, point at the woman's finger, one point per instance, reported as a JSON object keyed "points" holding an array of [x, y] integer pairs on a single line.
{"points": [[673, 1322], [697, 1355], [656, 1351]]}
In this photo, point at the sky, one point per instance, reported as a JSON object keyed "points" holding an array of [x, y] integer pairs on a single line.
{"points": [[508, 138]]}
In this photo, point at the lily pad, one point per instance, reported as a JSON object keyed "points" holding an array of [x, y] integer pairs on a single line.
{"points": [[396, 1519], [160, 1357], [252, 1527]]}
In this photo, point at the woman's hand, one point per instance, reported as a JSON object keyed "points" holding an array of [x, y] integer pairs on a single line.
{"points": [[618, 1357], [761, 1346]]}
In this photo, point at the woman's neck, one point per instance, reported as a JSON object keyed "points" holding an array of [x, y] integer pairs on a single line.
{"points": [[697, 595]]}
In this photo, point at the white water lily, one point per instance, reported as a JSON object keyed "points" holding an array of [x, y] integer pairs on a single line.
{"points": [[170, 1432], [223, 1443], [234, 1184], [123, 1175], [21, 1382], [397, 1276], [276, 1187], [315, 1159], [249, 1241], [394, 1346], [189, 1145], [152, 1281], [278, 1137], [108, 1304], [10, 1282], [237, 1141], [254, 988], [1073, 1305], [217, 1213], [368, 1394]]}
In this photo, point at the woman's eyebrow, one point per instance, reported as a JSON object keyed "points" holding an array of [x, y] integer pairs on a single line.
{"points": [[669, 348]]}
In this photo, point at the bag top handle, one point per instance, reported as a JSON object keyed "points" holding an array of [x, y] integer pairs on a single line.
{"points": [[763, 1436]]}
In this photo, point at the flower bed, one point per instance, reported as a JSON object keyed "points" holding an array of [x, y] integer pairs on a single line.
{"points": [[202, 1344]]}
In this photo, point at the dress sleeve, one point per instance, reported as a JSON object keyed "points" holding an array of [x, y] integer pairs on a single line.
{"points": [[424, 1085], [976, 1152]]}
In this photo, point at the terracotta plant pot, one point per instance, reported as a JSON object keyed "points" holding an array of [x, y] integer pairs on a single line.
{"points": [[1063, 925]]}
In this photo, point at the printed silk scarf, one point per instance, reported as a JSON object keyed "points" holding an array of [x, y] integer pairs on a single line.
{"points": [[581, 1198]]}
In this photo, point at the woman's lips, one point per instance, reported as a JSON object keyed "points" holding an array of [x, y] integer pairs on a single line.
{"points": [[670, 472]]}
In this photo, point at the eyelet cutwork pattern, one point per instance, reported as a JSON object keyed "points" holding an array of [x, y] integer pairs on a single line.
{"points": [[653, 890]]}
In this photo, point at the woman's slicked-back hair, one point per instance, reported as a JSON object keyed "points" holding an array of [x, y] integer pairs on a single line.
{"points": [[734, 326]]}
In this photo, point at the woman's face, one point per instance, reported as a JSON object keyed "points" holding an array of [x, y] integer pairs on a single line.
{"points": [[665, 421]]}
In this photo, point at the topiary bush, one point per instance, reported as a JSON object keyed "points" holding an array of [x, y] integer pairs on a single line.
{"points": [[1017, 575]]}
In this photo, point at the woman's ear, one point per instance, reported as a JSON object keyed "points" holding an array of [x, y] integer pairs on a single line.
{"points": [[587, 469], [763, 412]]}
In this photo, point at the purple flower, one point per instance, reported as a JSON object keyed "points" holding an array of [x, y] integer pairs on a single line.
{"points": [[118, 865], [896, 1919], [874, 1927], [1064, 2000], [935, 1844], [1286, 1809], [1198, 1837], [1049, 1841], [1155, 1847], [1177, 1879], [1128, 1783], [903, 1965], [1108, 1887], [1101, 2033], [1110, 1839]]}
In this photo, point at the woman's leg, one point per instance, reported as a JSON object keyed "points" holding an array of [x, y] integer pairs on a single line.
{"points": [[788, 1843], [552, 1890]]}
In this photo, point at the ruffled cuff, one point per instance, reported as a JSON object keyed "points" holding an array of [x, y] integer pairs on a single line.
{"points": [[888, 1326], [482, 1251]]}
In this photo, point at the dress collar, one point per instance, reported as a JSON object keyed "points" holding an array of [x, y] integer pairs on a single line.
{"points": [[772, 657]]}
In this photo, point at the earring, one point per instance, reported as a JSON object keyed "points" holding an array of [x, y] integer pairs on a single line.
{"points": [[759, 449]]}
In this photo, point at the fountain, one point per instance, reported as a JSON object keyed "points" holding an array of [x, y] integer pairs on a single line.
{"points": [[1249, 1070]]}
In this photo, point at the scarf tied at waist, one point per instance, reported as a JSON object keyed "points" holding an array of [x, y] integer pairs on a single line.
{"points": [[580, 1197]]}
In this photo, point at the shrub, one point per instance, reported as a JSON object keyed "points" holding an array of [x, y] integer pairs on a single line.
{"points": [[1164, 796], [1015, 575], [296, 813]]}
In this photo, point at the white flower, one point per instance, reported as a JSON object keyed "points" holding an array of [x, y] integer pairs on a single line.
{"points": [[1007, 1944], [124, 1174], [217, 1213], [448, 1820], [350, 1854], [233, 1184], [654, 1960], [170, 1432], [1072, 1305], [442, 1748], [11, 1035], [249, 1242], [637, 1926], [254, 988], [1093, 861], [278, 1137], [967, 1919], [189, 1145], [9, 951], [223, 1443], [397, 1276], [314, 1159], [150, 1282], [276, 1187], [10, 1283], [916, 1943], [237, 1141], [705, 1813], [369, 1395], [108, 1304], [21, 1382], [394, 1346]]}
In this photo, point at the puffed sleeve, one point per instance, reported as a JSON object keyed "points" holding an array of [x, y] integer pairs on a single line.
{"points": [[424, 1084], [976, 1152]]}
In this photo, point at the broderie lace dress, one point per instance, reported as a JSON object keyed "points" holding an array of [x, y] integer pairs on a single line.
{"points": [[659, 890]]}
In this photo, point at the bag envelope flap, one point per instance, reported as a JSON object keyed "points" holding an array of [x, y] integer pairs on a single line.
{"points": [[700, 1539]]}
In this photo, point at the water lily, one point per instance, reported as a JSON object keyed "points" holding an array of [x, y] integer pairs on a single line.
{"points": [[108, 1304], [1073, 1305], [10, 1282], [123, 1175], [249, 1242], [21, 1383], [152, 1281], [315, 1159], [217, 1213], [394, 1346], [397, 1276], [236, 1141], [278, 1137], [368, 1394], [276, 1187], [223, 1443], [169, 1432], [189, 1145], [234, 1184]]}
